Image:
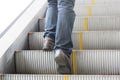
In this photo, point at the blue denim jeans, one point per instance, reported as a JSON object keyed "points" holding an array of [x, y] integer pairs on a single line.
{"points": [[59, 22]]}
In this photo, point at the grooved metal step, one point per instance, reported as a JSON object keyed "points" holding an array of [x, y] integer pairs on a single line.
{"points": [[92, 62], [35, 62], [83, 40], [59, 77], [97, 10], [93, 23], [80, 2]]}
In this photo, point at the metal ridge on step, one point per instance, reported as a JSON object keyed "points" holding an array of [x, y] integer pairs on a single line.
{"points": [[92, 23], [83, 40], [90, 62], [60, 77]]}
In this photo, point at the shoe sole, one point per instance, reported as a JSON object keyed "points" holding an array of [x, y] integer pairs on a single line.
{"points": [[47, 49]]}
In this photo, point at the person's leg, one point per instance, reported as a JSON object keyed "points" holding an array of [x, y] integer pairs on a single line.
{"points": [[50, 25], [63, 41], [65, 21]]}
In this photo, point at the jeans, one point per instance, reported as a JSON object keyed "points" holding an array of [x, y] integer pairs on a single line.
{"points": [[59, 23]]}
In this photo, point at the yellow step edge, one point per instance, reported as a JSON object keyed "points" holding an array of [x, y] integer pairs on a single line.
{"points": [[85, 23], [93, 2], [89, 10], [81, 40], [65, 77], [74, 61]]}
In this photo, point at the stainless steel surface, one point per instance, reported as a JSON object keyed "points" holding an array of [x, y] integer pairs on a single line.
{"points": [[92, 62], [95, 23], [60, 77], [90, 40]]}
